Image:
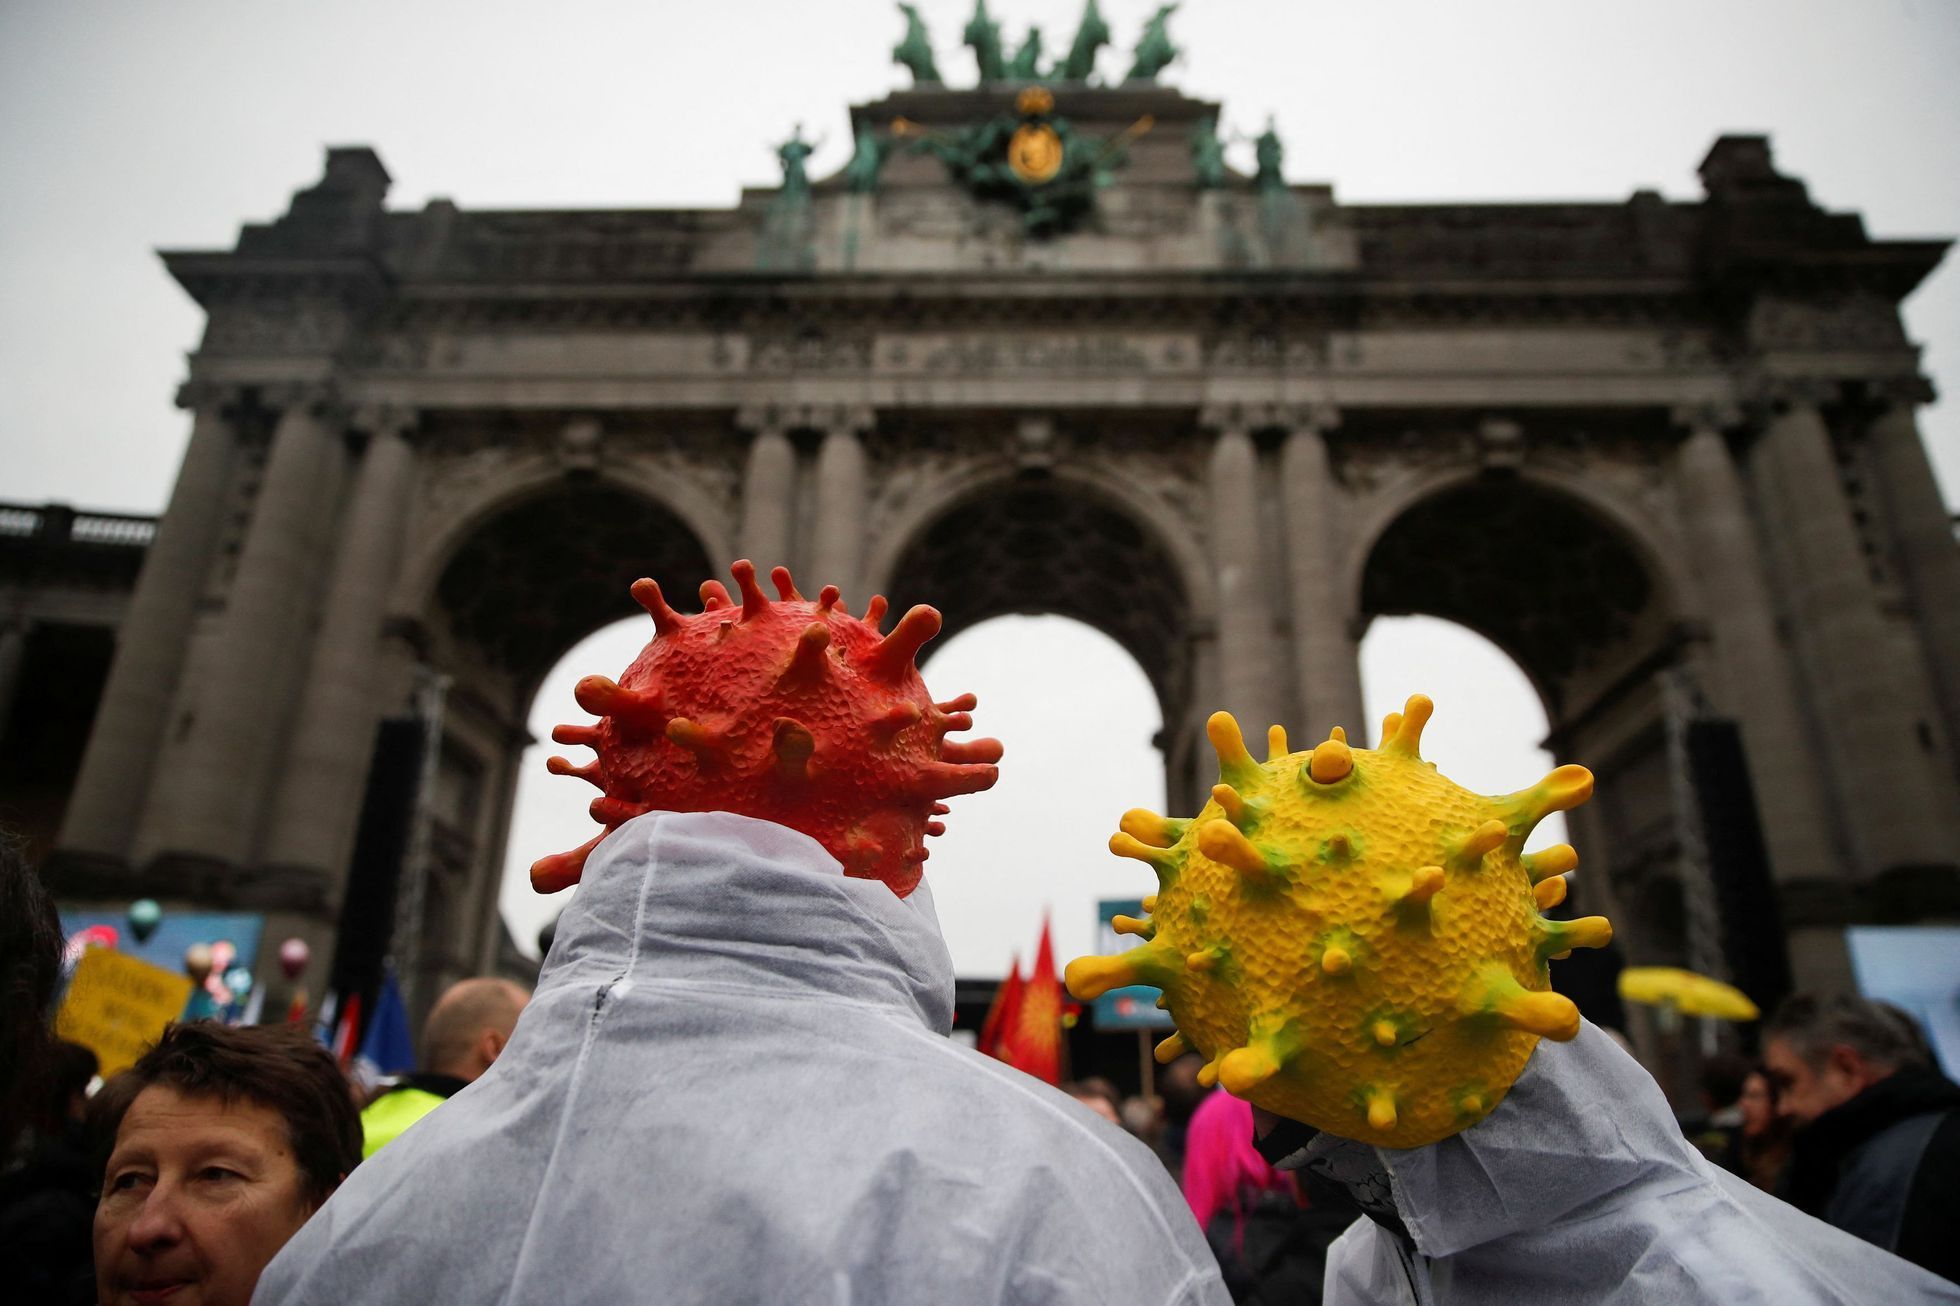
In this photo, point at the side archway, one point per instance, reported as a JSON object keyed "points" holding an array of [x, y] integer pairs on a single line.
{"points": [[1589, 610]]}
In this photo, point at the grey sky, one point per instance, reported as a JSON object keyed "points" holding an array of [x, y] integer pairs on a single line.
{"points": [[127, 127]]}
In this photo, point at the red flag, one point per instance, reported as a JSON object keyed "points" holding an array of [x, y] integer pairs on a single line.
{"points": [[1033, 1040], [346, 1039], [1000, 1012]]}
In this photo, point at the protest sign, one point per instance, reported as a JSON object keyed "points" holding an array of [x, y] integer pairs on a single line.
{"points": [[117, 1006]]}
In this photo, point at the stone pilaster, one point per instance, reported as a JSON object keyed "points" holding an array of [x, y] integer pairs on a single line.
{"points": [[332, 742], [13, 648], [1863, 733], [837, 545], [1928, 557], [768, 490], [208, 801], [1248, 665], [1749, 655], [1326, 654], [117, 769]]}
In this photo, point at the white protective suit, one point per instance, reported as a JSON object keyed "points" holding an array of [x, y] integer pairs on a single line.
{"points": [[734, 1085], [1579, 1188]]}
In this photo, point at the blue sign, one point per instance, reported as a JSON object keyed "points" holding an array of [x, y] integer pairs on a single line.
{"points": [[1916, 967], [232, 936], [1134, 1006]]}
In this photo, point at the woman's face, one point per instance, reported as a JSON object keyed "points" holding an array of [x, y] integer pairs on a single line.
{"points": [[198, 1196], [1758, 1102]]}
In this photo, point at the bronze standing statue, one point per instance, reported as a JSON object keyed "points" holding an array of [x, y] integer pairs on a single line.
{"points": [[1270, 153], [1207, 155], [793, 152], [861, 173]]}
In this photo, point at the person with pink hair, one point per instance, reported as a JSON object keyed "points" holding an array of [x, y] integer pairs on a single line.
{"points": [[1270, 1245]]}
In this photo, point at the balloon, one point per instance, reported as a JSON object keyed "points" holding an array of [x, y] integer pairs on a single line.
{"points": [[144, 917], [293, 956], [197, 963], [239, 981]]}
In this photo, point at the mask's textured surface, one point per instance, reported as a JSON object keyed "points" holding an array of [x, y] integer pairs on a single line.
{"points": [[787, 710], [1349, 938]]}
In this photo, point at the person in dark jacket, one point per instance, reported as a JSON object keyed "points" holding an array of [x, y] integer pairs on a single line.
{"points": [[1877, 1149]]}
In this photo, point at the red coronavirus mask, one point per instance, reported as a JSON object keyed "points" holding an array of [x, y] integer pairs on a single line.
{"points": [[788, 710]]}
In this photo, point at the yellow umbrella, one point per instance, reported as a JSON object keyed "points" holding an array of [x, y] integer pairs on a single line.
{"points": [[1684, 991]]}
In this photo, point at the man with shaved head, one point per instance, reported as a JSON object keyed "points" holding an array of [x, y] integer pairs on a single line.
{"points": [[465, 1031]]}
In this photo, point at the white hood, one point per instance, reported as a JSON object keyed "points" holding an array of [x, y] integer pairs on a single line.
{"points": [[733, 1085], [1580, 1188]]}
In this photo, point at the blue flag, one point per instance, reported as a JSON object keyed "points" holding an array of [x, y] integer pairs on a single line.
{"points": [[388, 1048]]}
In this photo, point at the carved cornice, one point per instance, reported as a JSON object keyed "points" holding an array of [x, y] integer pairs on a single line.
{"points": [[1299, 308], [208, 882]]}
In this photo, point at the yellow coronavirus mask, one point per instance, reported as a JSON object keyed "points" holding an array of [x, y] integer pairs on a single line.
{"points": [[1349, 938]]}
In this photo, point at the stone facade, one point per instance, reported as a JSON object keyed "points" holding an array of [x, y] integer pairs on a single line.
{"points": [[1662, 452]]}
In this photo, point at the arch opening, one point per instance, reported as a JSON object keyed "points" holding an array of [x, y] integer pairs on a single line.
{"points": [[1032, 547], [1531, 570], [552, 567], [1578, 605], [530, 580], [1078, 716], [548, 812]]}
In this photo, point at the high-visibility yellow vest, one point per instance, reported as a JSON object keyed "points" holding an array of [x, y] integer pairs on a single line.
{"points": [[391, 1113]]}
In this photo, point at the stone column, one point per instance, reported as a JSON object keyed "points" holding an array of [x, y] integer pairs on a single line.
{"points": [[209, 801], [837, 549], [1928, 556], [130, 723], [1248, 669], [333, 739], [1863, 736], [768, 491], [13, 648], [1749, 653], [1326, 655]]}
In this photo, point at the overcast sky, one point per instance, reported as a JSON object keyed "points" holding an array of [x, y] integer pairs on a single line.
{"points": [[127, 127]]}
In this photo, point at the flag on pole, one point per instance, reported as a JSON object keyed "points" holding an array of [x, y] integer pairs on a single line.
{"points": [[1033, 1041], [1000, 1012], [347, 1031], [388, 1048]]}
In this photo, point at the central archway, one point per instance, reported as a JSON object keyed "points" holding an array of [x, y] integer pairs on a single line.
{"points": [[1045, 546]]}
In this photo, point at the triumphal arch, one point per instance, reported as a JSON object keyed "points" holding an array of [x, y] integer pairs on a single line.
{"points": [[1037, 348]]}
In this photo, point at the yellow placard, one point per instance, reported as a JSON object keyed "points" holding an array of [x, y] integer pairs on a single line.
{"points": [[117, 1006]]}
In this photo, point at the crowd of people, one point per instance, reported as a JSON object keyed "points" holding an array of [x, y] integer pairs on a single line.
{"points": [[763, 1114]]}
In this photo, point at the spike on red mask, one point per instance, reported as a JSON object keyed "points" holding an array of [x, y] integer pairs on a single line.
{"points": [[784, 709]]}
